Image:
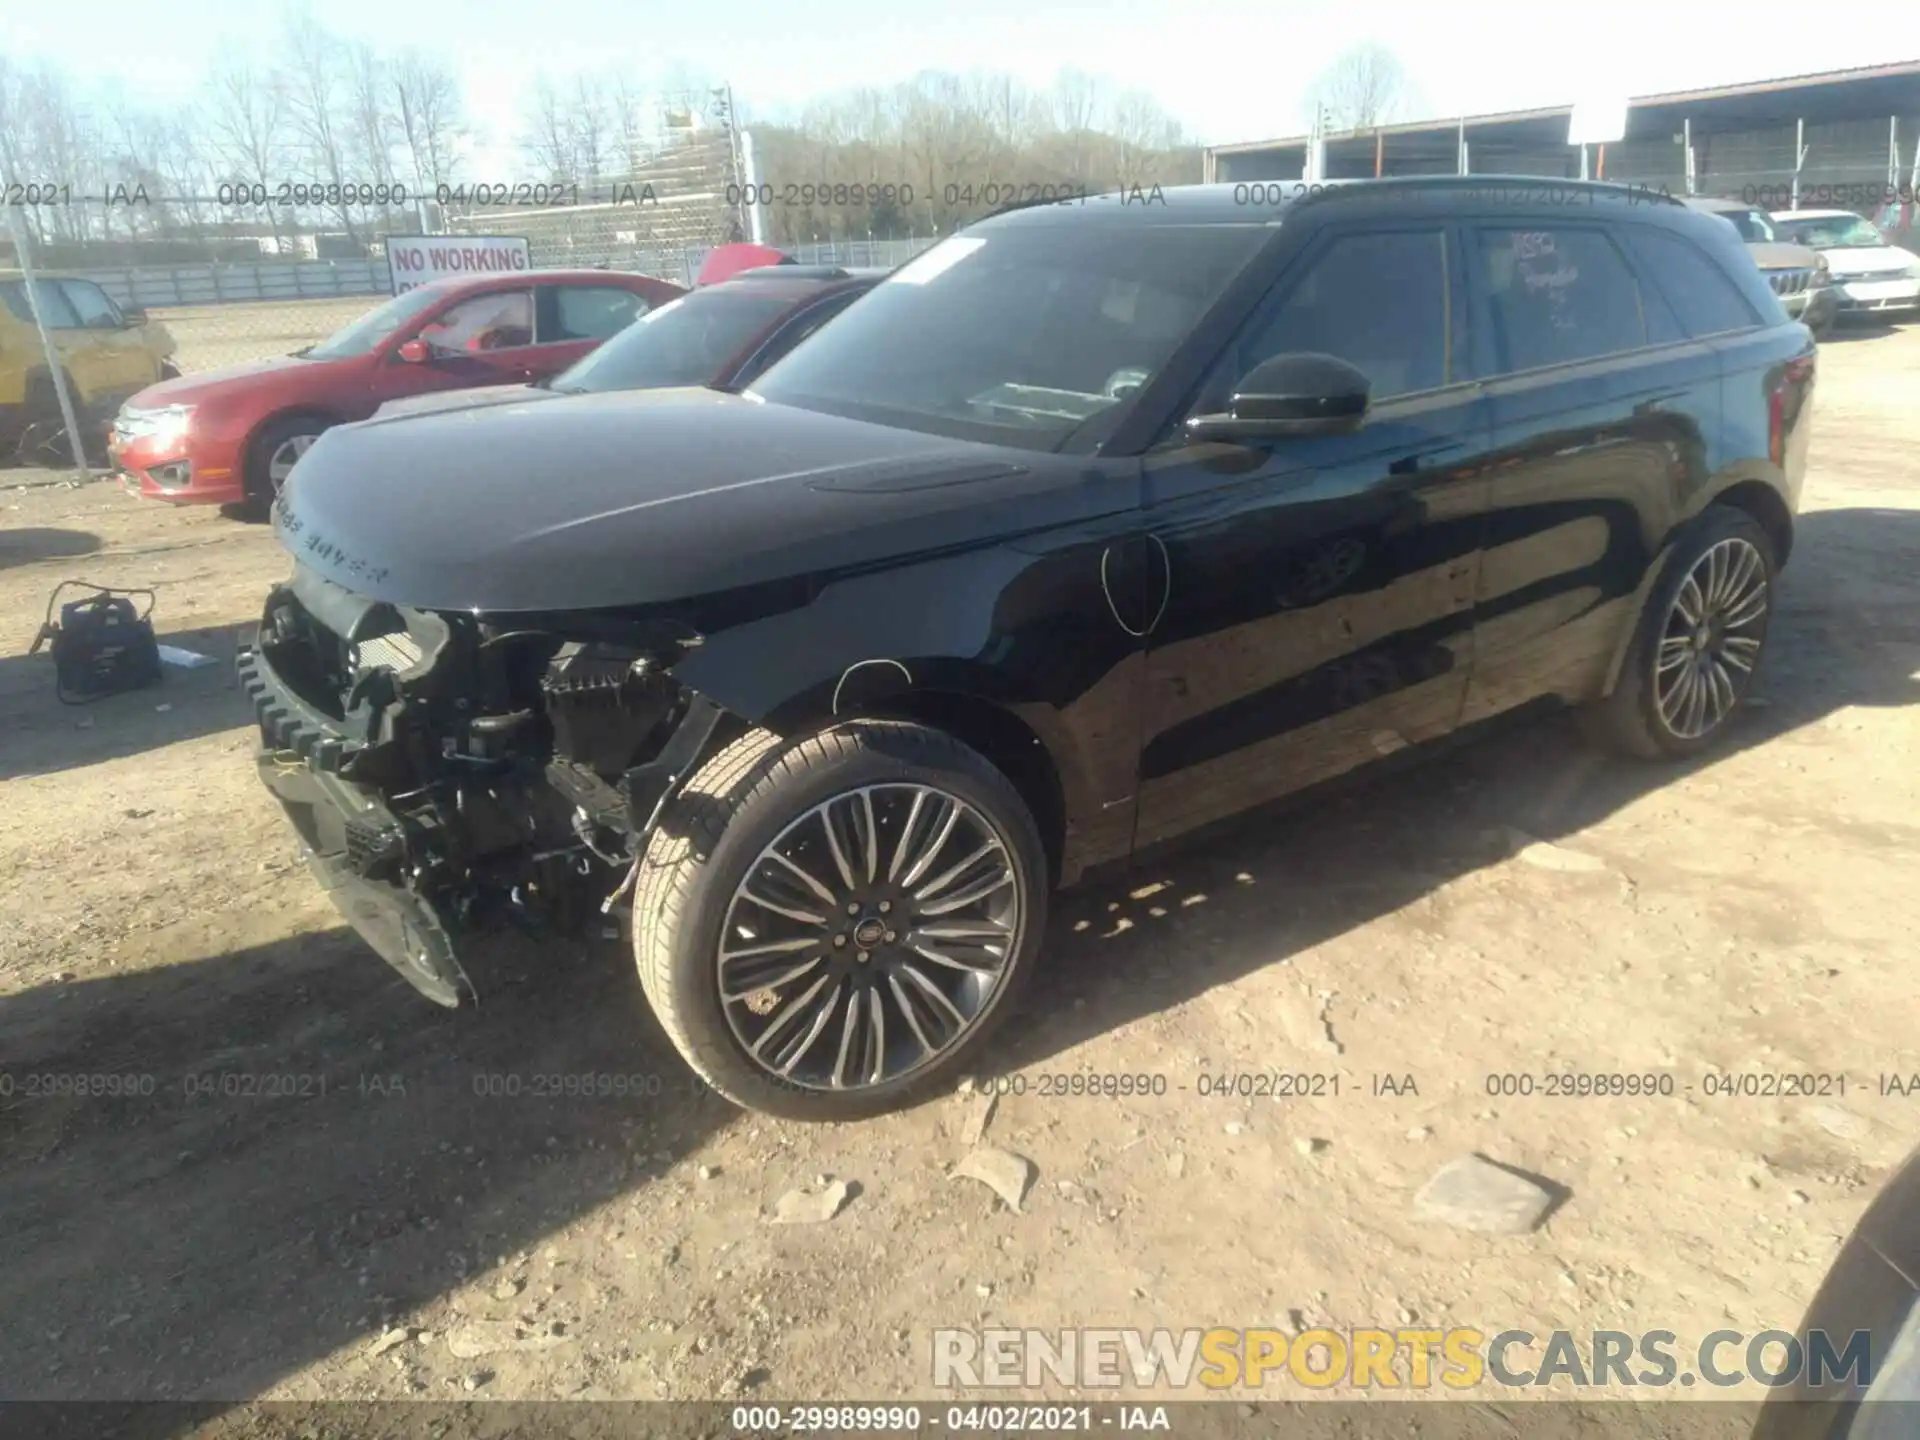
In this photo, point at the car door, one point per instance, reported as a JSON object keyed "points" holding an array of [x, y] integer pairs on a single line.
{"points": [[484, 339], [1317, 613], [80, 354], [572, 319], [1602, 409], [125, 364]]}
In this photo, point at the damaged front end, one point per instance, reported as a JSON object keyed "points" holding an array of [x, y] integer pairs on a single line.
{"points": [[447, 773]]}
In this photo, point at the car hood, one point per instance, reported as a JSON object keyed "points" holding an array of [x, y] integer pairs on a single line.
{"points": [[192, 389], [636, 498], [463, 399], [1869, 260], [1778, 255]]}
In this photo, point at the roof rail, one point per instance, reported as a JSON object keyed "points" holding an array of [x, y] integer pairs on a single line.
{"points": [[1639, 192], [792, 272]]}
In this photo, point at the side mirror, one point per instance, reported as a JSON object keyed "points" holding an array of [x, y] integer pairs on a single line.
{"points": [[133, 316], [415, 352], [1303, 394]]}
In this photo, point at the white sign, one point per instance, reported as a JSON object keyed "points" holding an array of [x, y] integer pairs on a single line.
{"points": [[1597, 122], [415, 260]]}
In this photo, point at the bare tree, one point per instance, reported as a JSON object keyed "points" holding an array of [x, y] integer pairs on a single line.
{"points": [[425, 99], [592, 130], [247, 122], [315, 82], [1365, 87], [1076, 114], [546, 136], [372, 128], [1143, 135], [629, 103]]}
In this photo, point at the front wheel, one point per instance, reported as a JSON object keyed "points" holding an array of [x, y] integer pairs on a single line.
{"points": [[273, 454], [830, 928], [1697, 644]]}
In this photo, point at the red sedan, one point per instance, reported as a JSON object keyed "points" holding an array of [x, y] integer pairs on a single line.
{"points": [[232, 435]]}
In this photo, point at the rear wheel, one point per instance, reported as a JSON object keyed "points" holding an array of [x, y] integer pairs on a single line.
{"points": [[275, 450], [830, 928], [1698, 643]]}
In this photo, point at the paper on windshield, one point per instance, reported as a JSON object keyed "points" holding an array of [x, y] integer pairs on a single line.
{"points": [[937, 261]]}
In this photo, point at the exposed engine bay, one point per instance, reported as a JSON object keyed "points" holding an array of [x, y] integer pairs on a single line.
{"points": [[446, 772]]}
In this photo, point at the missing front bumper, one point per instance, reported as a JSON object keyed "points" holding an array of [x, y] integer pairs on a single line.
{"points": [[404, 928]]}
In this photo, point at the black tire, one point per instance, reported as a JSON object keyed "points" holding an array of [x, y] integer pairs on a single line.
{"points": [[741, 802], [1629, 721], [276, 433]]}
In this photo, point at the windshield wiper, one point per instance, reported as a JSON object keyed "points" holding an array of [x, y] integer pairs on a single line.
{"points": [[301, 353]]}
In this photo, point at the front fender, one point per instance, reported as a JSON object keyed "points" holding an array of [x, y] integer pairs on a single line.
{"points": [[1029, 633]]}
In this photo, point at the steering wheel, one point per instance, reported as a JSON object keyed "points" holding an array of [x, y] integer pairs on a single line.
{"points": [[1124, 382]]}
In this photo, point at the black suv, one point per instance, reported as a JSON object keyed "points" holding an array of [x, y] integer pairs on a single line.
{"points": [[1095, 524]]}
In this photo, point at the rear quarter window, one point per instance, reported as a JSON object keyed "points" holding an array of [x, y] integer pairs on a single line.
{"points": [[1701, 293]]}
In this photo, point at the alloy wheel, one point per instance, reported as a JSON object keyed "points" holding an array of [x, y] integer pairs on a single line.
{"points": [[280, 463], [870, 937], [1711, 640]]}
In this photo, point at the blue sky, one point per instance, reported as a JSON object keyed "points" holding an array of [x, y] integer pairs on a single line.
{"points": [[1228, 69]]}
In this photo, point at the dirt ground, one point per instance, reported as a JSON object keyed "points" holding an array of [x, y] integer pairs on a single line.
{"points": [[1749, 913]]}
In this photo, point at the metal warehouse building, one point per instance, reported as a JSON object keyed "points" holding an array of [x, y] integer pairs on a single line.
{"points": [[1839, 139]]}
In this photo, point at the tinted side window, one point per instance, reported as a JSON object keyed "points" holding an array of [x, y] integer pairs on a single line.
{"points": [[1377, 301], [53, 305], [1708, 303], [590, 312], [90, 302], [1556, 295]]}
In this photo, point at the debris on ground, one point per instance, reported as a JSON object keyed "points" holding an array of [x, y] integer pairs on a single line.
{"points": [[1001, 1171], [801, 1207], [1473, 1193]]}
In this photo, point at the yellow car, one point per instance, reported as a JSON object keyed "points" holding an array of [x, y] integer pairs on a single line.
{"points": [[108, 351]]}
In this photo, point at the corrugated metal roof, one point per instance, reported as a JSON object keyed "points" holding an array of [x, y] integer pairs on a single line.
{"points": [[1443, 123]]}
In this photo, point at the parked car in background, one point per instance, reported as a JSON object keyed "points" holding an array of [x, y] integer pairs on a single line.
{"points": [[1895, 222], [721, 335], [1087, 529], [1870, 275], [723, 262], [1797, 274], [233, 435], [109, 352]]}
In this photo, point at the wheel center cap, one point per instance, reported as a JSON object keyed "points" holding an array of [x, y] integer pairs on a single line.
{"points": [[869, 933]]}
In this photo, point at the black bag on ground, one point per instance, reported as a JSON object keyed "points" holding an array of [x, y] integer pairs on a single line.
{"points": [[102, 645]]}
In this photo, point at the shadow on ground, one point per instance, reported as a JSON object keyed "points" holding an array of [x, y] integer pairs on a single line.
{"points": [[183, 1245], [39, 735], [39, 542], [310, 1150]]}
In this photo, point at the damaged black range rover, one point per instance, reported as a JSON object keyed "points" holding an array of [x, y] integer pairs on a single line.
{"points": [[1093, 525]]}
